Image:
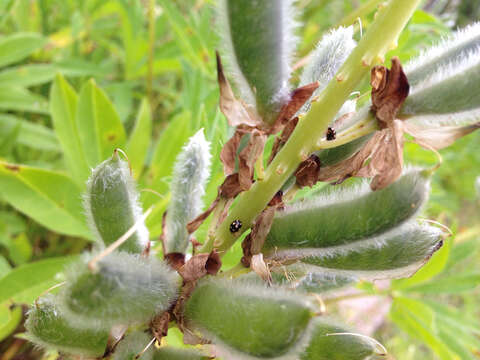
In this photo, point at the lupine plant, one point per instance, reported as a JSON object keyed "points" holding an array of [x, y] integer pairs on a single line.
{"points": [[121, 298]]}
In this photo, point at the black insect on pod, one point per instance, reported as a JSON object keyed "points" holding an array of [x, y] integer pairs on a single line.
{"points": [[331, 134], [235, 226]]}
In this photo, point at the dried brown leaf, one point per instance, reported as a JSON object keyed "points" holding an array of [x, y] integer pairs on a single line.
{"points": [[234, 110], [283, 138], [159, 325], [175, 260], [389, 91], [228, 154], [259, 266], [298, 97], [200, 265], [247, 158], [307, 173], [386, 162], [193, 225], [440, 137], [230, 187]]}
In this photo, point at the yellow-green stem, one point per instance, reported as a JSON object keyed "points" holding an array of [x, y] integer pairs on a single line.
{"points": [[381, 37]]}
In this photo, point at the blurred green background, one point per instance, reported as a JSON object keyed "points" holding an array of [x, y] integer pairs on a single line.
{"points": [[152, 65]]}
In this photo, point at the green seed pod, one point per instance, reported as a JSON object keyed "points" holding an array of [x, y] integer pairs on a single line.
{"points": [[111, 205], [248, 318], [397, 253], [329, 55], [47, 327], [126, 288], [187, 188], [171, 353], [259, 41], [349, 215], [330, 341], [452, 50], [132, 345]]}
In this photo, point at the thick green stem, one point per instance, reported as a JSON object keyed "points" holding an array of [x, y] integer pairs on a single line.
{"points": [[361, 12], [380, 38]]}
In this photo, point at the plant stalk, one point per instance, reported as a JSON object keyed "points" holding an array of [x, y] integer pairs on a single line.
{"points": [[381, 37]]}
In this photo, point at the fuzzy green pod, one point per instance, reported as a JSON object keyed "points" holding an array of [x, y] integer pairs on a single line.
{"points": [[112, 207], [259, 41], [393, 254], [132, 345], [349, 215], [248, 318], [171, 353], [329, 55], [189, 178], [124, 289], [47, 327], [330, 341]]}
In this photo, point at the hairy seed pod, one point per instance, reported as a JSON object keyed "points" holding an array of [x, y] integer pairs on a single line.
{"points": [[332, 341], [346, 216], [126, 288], [132, 345], [47, 327], [329, 55], [171, 353], [259, 41], [248, 318], [111, 205], [187, 188]]}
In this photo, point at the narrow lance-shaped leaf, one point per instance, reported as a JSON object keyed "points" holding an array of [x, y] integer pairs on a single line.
{"points": [[139, 140], [111, 205], [189, 178], [47, 328], [50, 198], [63, 107], [99, 127], [259, 41], [18, 46], [126, 288], [348, 215], [246, 318]]}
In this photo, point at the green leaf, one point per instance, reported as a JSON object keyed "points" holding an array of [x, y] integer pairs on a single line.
{"points": [[5, 267], [170, 142], [99, 127], [417, 319], [260, 41], [20, 99], [26, 282], [451, 284], [20, 249], [133, 344], [47, 328], [139, 140], [63, 107], [124, 289], [27, 75], [348, 215], [50, 198], [9, 319], [265, 322], [331, 341], [30, 134], [16, 47]]}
